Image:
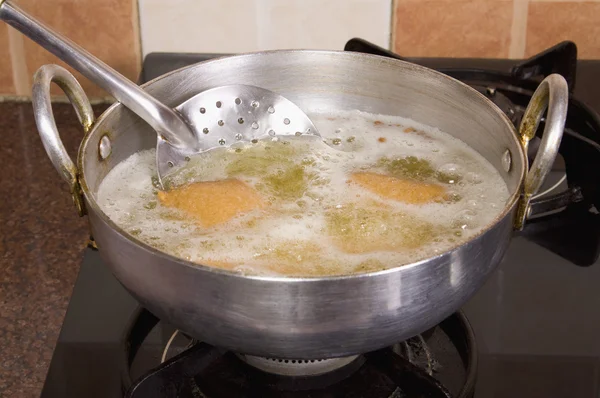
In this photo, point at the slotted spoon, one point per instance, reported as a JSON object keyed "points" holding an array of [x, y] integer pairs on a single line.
{"points": [[217, 117]]}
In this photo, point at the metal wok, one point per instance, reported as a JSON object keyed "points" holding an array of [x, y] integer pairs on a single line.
{"points": [[309, 318]]}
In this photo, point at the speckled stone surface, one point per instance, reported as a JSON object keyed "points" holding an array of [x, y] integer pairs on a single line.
{"points": [[41, 243]]}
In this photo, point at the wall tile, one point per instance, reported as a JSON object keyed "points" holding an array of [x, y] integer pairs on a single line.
{"points": [[458, 1], [551, 22], [198, 25], [564, 1], [242, 25], [104, 28], [320, 24], [465, 28], [6, 78]]}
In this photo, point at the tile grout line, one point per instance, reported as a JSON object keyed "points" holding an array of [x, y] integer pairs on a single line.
{"points": [[392, 39], [137, 35], [518, 30], [20, 73]]}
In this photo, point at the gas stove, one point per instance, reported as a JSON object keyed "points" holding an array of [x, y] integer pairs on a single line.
{"points": [[440, 362], [531, 331]]}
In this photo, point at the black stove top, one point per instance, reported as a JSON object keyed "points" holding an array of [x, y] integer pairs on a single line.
{"points": [[536, 321]]}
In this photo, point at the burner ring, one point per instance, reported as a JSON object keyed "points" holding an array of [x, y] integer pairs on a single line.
{"points": [[296, 367]]}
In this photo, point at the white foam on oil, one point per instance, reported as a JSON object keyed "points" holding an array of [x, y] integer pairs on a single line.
{"points": [[295, 241]]}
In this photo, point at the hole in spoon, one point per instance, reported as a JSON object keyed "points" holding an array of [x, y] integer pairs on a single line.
{"points": [[170, 164], [205, 130], [203, 110], [241, 120], [286, 121], [220, 122], [218, 104], [238, 101]]}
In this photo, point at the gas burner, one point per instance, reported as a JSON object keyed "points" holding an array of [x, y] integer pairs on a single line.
{"points": [[297, 375], [297, 367], [440, 362]]}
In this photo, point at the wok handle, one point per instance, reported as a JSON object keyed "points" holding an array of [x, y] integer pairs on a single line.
{"points": [[551, 94], [46, 125]]}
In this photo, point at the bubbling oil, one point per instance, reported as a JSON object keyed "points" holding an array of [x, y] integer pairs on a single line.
{"points": [[375, 192]]}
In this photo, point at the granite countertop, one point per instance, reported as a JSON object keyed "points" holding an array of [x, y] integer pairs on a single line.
{"points": [[41, 244]]}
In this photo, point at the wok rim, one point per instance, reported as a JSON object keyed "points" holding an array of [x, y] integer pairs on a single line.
{"points": [[92, 204]]}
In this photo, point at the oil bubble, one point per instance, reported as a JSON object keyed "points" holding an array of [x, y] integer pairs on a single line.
{"points": [[464, 219], [473, 178], [473, 204]]}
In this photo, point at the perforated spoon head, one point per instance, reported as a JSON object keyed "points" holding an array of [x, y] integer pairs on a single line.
{"points": [[226, 115]]}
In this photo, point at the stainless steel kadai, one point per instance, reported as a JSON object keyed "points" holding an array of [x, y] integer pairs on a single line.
{"points": [[309, 318], [217, 117]]}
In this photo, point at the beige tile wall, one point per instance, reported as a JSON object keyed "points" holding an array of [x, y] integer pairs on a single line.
{"points": [[108, 29], [453, 28], [494, 28], [121, 31], [226, 26], [551, 22]]}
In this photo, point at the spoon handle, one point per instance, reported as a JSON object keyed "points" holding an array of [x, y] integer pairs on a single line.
{"points": [[167, 123]]}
